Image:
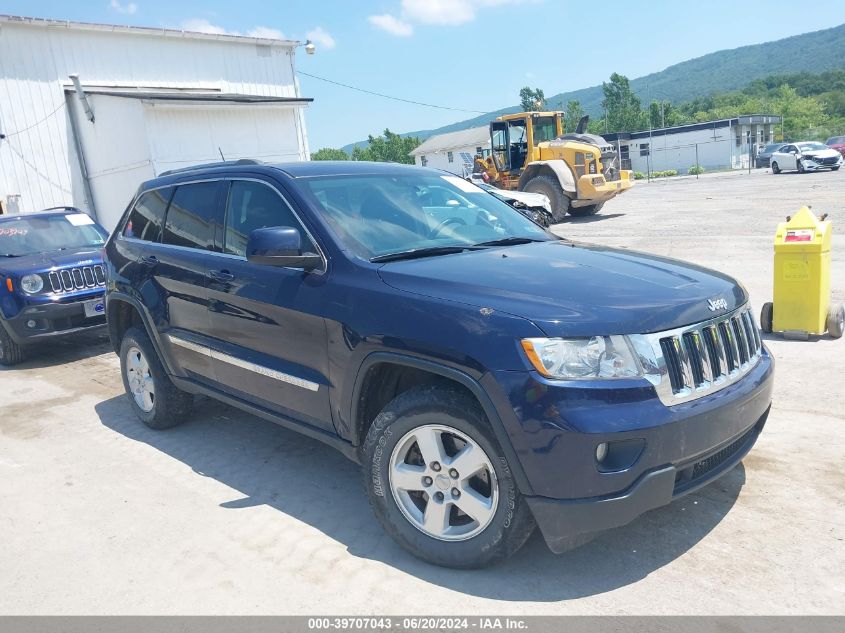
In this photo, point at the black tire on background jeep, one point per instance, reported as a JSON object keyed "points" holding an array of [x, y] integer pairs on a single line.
{"points": [[550, 187], [168, 405], [10, 352], [459, 423]]}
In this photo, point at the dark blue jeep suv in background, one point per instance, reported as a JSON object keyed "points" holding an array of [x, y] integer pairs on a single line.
{"points": [[488, 375], [52, 279]]}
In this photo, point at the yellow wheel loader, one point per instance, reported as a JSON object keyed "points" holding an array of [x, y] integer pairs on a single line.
{"points": [[578, 172]]}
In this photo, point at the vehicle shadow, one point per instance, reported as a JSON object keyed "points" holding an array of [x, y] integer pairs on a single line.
{"points": [[62, 350], [298, 476], [591, 218]]}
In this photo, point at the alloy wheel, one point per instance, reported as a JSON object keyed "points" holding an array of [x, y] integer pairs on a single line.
{"points": [[443, 483], [140, 379]]}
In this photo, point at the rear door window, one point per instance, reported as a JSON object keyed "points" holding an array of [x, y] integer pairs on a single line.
{"points": [[254, 205], [146, 219], [194, 217]]}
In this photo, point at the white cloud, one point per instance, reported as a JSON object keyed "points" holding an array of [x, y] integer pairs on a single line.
{"points": [[437, 12], [392, 25], [321, 37], [201, 25], [266, 32], [129, 7]]}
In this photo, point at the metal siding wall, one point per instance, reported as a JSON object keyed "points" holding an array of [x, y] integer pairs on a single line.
{"points": [[35, 62]]}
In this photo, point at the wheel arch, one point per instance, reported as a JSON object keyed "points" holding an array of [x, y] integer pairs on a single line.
{"points": [[427, 371], [124, 312], [557, 168]]}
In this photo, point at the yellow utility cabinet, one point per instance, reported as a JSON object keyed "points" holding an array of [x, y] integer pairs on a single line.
{"points": [[802, 280]]}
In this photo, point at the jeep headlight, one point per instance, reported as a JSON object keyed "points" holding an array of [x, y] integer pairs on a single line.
{"points": [[32, 284], [597, 357]]}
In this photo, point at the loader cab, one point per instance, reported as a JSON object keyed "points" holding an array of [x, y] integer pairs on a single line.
{"points": [[514, 138]]}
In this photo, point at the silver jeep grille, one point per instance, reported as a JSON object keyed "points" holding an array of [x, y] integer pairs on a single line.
{"points": [[71, 279], [697, 360]]}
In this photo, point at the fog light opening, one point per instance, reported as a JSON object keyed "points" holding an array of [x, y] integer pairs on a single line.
{"points": [[32, 324], [601, 452]]}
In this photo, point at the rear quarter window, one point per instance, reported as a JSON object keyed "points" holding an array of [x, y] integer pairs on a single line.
{"points": [[146, 219]]}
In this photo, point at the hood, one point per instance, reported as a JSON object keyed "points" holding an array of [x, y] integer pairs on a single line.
{"points": [[530, 199], [44, 262], [572, 289], [820, 153]]}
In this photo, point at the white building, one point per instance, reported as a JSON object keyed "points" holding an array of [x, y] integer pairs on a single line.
{"points": [[726, 143], [157, 99], [454, 151]]}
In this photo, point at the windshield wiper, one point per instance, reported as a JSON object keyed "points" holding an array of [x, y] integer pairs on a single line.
{"points": [[8, 255], [429, 251], [511, 241]]}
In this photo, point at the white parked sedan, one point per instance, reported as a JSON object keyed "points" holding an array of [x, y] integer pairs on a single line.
{"points": [[807, 156]]}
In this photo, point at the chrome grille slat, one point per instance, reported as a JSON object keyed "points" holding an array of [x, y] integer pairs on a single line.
{"points": [[700, 359], [79, 278]]}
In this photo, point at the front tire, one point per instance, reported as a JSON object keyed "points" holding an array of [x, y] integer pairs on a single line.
{"points": [[10, 352], [775, 167], [439, 483], [800, 167], [154, 398], [583, 212], [550, 187]]}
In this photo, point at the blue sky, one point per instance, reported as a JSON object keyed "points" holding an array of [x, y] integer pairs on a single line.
{"points": [[467, 54]]}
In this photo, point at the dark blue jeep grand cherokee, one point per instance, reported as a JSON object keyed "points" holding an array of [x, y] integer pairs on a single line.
{"points": [[488, 375], [51, 278]]}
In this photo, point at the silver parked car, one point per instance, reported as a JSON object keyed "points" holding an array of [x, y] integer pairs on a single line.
{"points": [[806, 156]]}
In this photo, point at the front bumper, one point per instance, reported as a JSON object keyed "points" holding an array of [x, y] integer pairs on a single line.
{"points": [[555, 428], [811, 165], [594, 189], [560, 520], [54, 319]]}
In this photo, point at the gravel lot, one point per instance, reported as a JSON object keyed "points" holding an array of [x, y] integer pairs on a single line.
{"points": [[229, 514]]}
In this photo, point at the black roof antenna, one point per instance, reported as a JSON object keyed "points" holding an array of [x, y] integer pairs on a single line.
{"points": [[223, 158]]}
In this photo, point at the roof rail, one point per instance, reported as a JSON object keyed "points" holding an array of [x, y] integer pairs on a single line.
{"points": [[222, 163]]}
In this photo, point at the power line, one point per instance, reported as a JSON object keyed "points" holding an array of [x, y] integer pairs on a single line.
{"points": [[384, 96], [37, 123]]}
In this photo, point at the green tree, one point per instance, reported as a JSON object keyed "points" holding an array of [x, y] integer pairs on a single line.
{"points": [[329, 153], [623, 107], [531, 100], [388, 148], [574, 112]]}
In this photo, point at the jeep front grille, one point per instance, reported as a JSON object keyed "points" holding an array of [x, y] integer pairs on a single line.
{"points": [[81, 278], [700, 359]]}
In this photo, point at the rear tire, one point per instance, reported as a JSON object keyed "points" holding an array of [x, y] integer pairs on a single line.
{"points": [[409, 454], [154, 398], [582, 212], [775, 167], [10, 352], [550, 187], [766, 315], [836, 321]]}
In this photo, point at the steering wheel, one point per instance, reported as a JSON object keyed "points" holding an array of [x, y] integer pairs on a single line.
{"points": [[437, 229]]}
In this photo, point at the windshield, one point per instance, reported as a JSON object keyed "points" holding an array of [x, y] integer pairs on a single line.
{"points": [[836, 140], [380, 215], [812, 146], [26, 235]]}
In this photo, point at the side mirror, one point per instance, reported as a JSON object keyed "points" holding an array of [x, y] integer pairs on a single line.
{"points": [[280, 246]]}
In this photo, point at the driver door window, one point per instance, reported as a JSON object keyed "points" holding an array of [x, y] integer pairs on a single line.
{"points": [[253, 205]]}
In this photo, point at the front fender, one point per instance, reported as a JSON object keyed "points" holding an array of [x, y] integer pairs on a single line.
{"points": [[558, 167]]}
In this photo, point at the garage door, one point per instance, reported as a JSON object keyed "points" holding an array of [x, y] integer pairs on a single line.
{"points": [[183, 135]]}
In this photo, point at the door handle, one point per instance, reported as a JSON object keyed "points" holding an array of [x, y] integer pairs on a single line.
{"points": [[220, 275], [149, 260]]}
